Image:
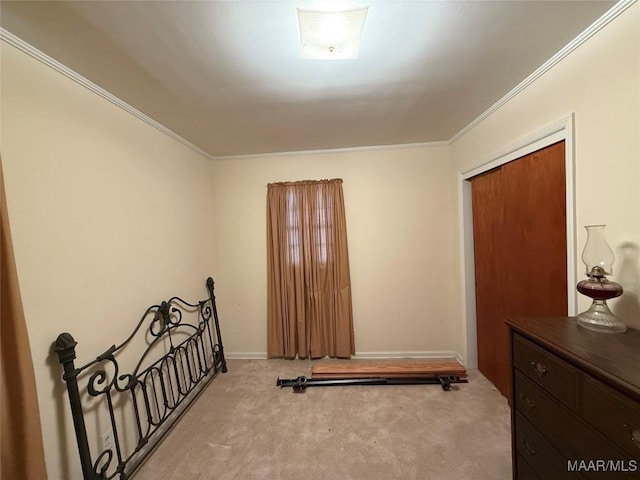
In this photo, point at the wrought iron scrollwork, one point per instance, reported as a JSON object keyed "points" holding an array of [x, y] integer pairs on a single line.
{"points": [[158, 389]]}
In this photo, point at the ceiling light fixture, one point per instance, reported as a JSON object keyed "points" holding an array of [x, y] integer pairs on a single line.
{"points": [[331, 35]]}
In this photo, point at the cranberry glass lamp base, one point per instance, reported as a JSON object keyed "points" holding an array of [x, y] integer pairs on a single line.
{"points": [[599, 317]]}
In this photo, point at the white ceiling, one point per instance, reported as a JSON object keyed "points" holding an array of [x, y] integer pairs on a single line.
{"points": [[227, 75]]}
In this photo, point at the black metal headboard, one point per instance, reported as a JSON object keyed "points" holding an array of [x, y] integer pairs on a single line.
{"points": [[139, 408]]}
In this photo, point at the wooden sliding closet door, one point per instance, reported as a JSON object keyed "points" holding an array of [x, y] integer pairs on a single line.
{"points": [[520, 249], [487, 198]]}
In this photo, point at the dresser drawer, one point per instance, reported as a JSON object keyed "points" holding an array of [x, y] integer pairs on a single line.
{"points": [[573, 438], [552, 373], [614, 414], [539, 454]]}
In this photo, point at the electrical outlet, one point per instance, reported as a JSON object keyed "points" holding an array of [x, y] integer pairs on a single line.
{"points": [[107, 440]]}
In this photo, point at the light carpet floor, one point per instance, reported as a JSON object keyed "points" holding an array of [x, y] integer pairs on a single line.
{"points": [[244, 427]]}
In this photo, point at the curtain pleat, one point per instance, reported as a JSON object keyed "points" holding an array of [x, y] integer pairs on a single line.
{"points": [[309, 310], [22, 452]]}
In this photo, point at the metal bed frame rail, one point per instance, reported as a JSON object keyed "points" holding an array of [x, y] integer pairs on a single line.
{"points": [[160, 391]]}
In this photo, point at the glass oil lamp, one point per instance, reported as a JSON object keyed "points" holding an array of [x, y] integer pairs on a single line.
{"points": [[598, 258]]}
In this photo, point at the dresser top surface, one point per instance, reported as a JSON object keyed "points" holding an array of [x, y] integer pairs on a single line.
{"points": [[612, 357]]}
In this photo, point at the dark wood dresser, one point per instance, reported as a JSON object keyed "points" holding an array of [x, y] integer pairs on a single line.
{"points": [[575, 401]]}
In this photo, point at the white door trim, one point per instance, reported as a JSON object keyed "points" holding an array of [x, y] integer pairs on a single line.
{"points": [[561, 130]]}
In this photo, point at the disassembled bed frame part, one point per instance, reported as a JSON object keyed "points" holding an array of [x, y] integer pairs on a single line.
{"points": [[300, 384], [442, 373], [388, 369]]}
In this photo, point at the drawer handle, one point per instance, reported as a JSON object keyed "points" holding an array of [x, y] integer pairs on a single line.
{"points": [[539, 368], [635, 434], [527, 401]]}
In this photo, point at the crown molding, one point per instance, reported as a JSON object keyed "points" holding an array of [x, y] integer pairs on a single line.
{"points": [[42, 57], [610, 15]]}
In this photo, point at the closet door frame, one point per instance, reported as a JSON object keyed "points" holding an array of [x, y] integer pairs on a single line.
{"points": [[561, 130]]}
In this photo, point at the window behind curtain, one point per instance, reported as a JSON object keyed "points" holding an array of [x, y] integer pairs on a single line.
{"points": [[320, 220], [309, 287]]}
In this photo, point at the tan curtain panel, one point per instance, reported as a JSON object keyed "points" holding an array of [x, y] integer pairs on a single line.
{"points": [[309, 285], [22, 453]]}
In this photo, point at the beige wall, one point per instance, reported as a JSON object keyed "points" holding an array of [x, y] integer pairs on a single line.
{"points": [[399, 208], [600, 83], [108, 216]]}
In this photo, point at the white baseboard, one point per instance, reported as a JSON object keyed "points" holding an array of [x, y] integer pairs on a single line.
{"points": [[360, 355], [245, 355], [421, 354]]}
